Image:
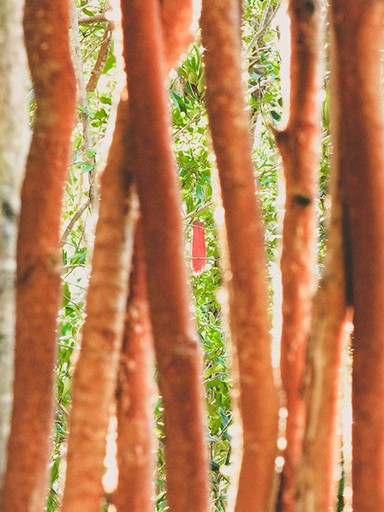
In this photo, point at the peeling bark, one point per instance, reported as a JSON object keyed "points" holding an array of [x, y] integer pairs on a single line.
{"points": [[299, 146], [46, 25], [358, 30], [249, 303], [94, 379], [14, 140], [134, 391], [177, 352]]}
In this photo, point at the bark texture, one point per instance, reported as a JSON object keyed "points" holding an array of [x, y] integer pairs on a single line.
{"points": [[177, 351], [316, 489], [102, 334], [358, 30], [299, 147], [14, 139], [134, 413], [46, 27], [249, 304], [94, 379]]}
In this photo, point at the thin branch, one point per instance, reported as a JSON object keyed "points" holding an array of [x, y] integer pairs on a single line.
{"points": [[97, 18], [101, 59], [82, 100], [76, 216], [190, 123], [199, 210]]}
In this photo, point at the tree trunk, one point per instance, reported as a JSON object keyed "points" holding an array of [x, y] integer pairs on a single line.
{"points": [[14, 139], [299, 146], [249, 318], [177, 352], [134, 393], [38, 260], [317, 491], [103, 330], [358, 30], [176, 17], [95, 373]]}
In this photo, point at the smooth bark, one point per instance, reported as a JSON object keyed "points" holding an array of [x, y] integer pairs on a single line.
{"points": [[249, 317], [299, 145], [46, 25], [176, 17], [135, 446], [95, 374], [14, 140], [358, 30], [177, 352]]}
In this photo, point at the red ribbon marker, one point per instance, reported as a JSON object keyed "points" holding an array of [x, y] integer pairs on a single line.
{"points": [[199, 249]]}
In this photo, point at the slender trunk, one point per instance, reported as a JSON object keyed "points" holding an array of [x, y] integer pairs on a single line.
{"points": [[317, 489], [358, 30], [46, 27], [299, 147], [95, 373], [177, 352], [103, 330], [134, 390], [14, 139], [176, 17], [135, 441], [249, 303]]}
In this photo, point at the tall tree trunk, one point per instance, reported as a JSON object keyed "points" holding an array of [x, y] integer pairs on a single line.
{"points": [[103, 330], [249, 304], [14, 139], [134, 391], [299, 147], [38, 260], [177, 352], [135, 440], [95, 373], [316, 490], [358, 30]]}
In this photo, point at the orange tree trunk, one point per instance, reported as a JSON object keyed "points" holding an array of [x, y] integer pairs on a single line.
{"points": [[95, 374], [299, 147], [135, 440], [38, 261], [316, 491], [96, 370], [134, 393], [177, 352], [358, 29], [249, 304], [176, 17]]}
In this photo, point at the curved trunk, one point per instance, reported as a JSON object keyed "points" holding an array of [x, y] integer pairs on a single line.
{"points": [[177, 352], [94, 378], [38, 259], [14, 139], [358, 30], [299, 147], [249, 303]]}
